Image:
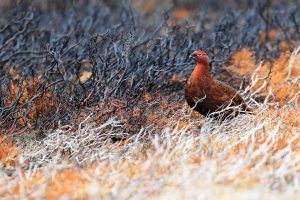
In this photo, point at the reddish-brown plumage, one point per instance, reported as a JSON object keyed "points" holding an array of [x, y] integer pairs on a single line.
{"points": [[207, 95]]}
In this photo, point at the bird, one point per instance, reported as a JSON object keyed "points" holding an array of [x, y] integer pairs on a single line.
{"points": [[209, 96]]}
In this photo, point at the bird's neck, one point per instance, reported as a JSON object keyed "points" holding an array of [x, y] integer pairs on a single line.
{"points": [[200, 75]]}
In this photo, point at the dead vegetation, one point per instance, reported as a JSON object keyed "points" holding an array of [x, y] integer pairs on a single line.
{"points": [[91, 101], [254, 154]]}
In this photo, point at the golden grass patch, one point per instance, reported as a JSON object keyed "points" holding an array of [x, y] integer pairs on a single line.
{"points": [[35, 104], [280, 76]]}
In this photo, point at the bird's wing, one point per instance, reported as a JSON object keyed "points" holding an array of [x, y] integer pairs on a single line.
{"points": [[218, 95], [226, 93], [236, 98]]}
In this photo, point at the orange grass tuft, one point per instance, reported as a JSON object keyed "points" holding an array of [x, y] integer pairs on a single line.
{"points": [[8, 152], [68, 182], [278, 75], [243, 62], [42, 104], [181, 13]]}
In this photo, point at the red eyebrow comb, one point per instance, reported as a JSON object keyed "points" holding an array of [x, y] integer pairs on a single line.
{"points": [[198, 52]]}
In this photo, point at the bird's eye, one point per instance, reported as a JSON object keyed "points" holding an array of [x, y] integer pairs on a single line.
{"points": [[199, 54]]}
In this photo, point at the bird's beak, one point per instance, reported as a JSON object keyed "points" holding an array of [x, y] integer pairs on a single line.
{"points": [[193, 55]]}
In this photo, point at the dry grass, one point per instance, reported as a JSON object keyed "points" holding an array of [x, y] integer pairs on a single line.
{"points": [[35, 104], [175, 155], [8, 152], [281, 77], [250, 155]]}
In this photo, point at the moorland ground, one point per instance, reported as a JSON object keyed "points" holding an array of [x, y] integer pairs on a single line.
{"points": [[92, 102]]}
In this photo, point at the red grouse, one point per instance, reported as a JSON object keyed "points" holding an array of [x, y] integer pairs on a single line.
{"points": [[209, 96]]}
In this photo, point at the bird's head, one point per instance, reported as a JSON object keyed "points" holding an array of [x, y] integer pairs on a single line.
{"points": [[200, 57]]}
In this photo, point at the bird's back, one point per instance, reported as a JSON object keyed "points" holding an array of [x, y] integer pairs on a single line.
{"points": [[214, 98], [234, 96]]}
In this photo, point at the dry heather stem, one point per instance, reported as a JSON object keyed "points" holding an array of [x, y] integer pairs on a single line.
{"points": [[255, 155], [250, 154]]}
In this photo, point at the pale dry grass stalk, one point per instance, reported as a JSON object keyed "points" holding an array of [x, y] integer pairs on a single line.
{"points": [[292, 60], [242, 153], [251, 155]]}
